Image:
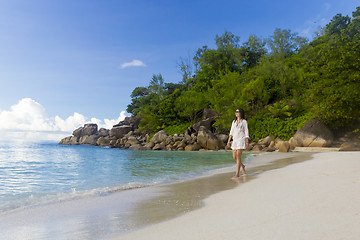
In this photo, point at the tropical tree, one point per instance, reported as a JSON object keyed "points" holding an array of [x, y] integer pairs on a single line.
{"points": [[283, 43], [190, 104], [157, 86], [252, 51], [281, 82]]}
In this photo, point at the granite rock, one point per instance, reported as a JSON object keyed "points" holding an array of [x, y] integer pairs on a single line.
{"points": [[313, 134]]}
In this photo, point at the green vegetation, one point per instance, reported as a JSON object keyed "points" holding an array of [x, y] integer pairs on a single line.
{"points": [[280, 82]]}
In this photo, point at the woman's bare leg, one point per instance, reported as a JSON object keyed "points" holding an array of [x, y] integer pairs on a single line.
{"points": [[234, 155], [237, 165], [238, 160], [237, 157]]}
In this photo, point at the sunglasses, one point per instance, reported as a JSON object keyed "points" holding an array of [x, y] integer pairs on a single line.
{"points": [[237, 111]]}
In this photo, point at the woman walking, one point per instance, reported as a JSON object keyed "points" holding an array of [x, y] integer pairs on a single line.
{"points": [[240, 134]]}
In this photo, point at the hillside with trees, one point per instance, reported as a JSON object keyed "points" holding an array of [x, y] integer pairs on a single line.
{"points": [[281, 82]]}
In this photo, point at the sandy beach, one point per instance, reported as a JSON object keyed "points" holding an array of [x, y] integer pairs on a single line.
{"points": [[314, 199]]}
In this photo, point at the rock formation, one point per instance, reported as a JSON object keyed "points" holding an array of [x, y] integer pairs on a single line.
{"points": [[201, 136], [208, 140], [313, 134]]}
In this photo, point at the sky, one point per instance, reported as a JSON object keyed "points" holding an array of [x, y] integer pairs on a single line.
{"points": [[64, 63]]}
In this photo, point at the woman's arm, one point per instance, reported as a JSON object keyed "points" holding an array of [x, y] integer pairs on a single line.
{"points": [[230, 134], [246, 133], [228, 143]]}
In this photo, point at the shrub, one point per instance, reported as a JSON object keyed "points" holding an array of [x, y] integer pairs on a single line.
{"points": [[176, 129], [260, 126]]}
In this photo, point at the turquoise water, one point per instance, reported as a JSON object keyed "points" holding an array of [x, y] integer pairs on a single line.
{"points": [[39, 173]]}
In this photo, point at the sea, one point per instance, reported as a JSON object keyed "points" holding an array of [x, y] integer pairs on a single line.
{"points": [[39, 178]]}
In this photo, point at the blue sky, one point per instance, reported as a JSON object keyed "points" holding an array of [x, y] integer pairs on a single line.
{"points": [[68, 57]]}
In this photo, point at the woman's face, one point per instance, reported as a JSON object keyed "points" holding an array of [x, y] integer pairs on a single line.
{"points": [[237, 112]]}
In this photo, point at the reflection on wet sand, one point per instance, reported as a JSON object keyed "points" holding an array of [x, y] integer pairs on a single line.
{"points": [[179, 198]]}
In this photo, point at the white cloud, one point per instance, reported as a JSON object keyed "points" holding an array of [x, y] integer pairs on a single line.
{"points": [[108, 123], [28, 120], [134, 63], [316, 23], [311, 26]]}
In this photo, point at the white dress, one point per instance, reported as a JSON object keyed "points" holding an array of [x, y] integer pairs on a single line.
{"points": [[239, 132]]}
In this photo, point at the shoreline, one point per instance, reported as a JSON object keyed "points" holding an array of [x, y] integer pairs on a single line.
{"points": [[296, 201], [106, 217], [176, 199]]}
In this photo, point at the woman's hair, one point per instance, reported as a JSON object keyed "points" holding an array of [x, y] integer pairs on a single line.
{"points": [[242, 114]]}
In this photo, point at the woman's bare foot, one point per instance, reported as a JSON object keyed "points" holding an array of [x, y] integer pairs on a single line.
{"points": [[235, 177]]}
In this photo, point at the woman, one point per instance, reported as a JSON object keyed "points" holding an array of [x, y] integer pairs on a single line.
{"points": [[240, 134]]}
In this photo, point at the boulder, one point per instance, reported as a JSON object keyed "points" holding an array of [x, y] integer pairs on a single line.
{"points": [[313, 134], [269, 149], [129, 121], [193, 139], [169, 140], [159, 146], [284, 146], [209, 113], [120, 142], [223, 137], [114, 143], [272, 144], [277, 144], [252, 144], [177, 138], [207, 123], [266, 141], [146, 137], [193, 147], [257, 148], [180, 144], [188, 139], [65, 141], [293, 143], [103, 132], [125, 127], [350, 146], [159, 137], [277, 140], [132, 141], [169, 147], [120, 131], [129, 134], [103, 141], [77, 132], [144, 147], [71, 140], [91, 140], [149, 145], [208, 119], [208, 140], [74, 141], [189, 131], [87, 130], [136, 147]]}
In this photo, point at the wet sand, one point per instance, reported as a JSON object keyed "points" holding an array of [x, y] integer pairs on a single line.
{"points": [[314, 199], [179, 198], [173, 200], [106, 217]]}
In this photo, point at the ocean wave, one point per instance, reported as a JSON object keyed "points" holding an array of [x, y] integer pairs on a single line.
{"points": [[33, 201]]}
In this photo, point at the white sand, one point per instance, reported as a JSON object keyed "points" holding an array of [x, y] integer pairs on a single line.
{"points": [[315, 199]]}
